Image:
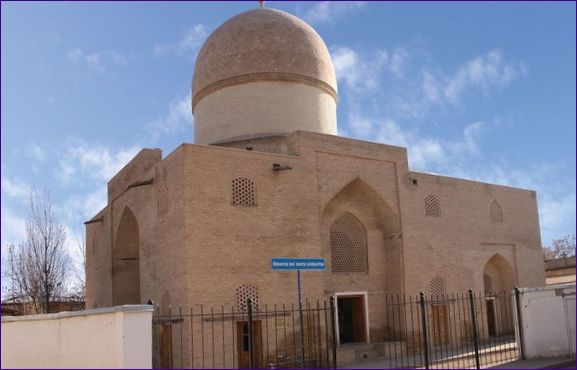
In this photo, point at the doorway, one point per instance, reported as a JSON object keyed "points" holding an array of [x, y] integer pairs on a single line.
{"points": [[491, 322], [352, 321], [243, 344], [440, 324]]}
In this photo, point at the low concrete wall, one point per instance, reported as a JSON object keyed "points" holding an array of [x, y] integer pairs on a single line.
{"points": [[114, 337], [548, 321]]}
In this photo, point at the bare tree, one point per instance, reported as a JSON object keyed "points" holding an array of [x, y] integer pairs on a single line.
{"points": [[79, 266], [562, 247], [39, 266]]}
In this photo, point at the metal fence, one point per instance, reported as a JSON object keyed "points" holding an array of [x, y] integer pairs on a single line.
{"points": [[271, 336], [447, 331]]}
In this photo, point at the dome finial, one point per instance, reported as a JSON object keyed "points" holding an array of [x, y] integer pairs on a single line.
{"points": [[261, 3]]}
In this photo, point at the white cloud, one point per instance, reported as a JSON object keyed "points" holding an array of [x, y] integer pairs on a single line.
{"points": [[556, 214], [409, 86], [15, 188], [329, 11], [188, 45], [13, 228], [82, 160], [93, 61], [99, 62], [361, 73], [86, 205], [469, 144], [36, 153], [482, 73], [75, 55], [177, 119], [423, 151]]}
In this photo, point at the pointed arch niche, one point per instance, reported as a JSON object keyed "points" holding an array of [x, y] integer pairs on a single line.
{"points": [[498, 281], [126, 261], [374, 218]]}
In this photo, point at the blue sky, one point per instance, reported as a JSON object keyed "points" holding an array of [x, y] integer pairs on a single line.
{"points": [[483, 91]]}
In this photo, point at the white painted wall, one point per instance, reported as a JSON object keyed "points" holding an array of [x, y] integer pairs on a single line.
{"points": [[263, 108], [114, 337], [548, 321]]}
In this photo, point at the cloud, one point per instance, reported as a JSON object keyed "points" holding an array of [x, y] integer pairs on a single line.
{"points": [[13, 228], [482, 73], [414, 85], [470, 140], [75, 55], [86, 205], [177, 119], [362, 73], [82, 160], [188, 45], [36, 153], [556, 213], [330, 11], [423, 151], [99, 62], [15, 188]]}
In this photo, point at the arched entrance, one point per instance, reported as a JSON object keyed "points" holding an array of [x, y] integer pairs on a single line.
{"points": [[498, 281], [126, 261], [361, 235]]}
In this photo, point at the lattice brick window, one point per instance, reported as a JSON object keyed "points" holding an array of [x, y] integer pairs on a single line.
{"points": [[438, 287], [432, 207], [243, 192], [244, 292], [162, 200], [496, 212], [348, 245]]}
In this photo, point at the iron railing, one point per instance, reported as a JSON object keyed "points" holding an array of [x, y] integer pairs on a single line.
{"points": [[269, 336], [464, 330]]}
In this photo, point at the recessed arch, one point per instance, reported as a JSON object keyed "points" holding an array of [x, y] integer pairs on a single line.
{"points": [[498, 275], [367, 205], [498, 282], [381, 225], [126, 260]]}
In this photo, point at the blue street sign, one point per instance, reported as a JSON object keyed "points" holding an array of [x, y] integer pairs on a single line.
{"points": [[279, 263]]}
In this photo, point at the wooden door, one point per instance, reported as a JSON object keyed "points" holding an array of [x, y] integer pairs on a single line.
{"points": [[440, 324], [243, 347], [491, 322], [352, 323], [166, 346]]}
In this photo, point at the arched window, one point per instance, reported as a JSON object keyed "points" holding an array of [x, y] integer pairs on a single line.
{"points": [[244, 292], [162, 200], [496, 212], [432, 207], [243, 192], [438, 287], [348, 245]]}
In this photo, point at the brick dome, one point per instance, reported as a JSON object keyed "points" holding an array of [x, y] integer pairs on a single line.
{"points": [[262, 45]]}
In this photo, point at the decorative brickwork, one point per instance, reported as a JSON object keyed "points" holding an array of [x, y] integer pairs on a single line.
{"points": [[438, 286], [244, 292], [243, 193], [432, 207], [162, 200], [496, 212], [348, 245]]}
